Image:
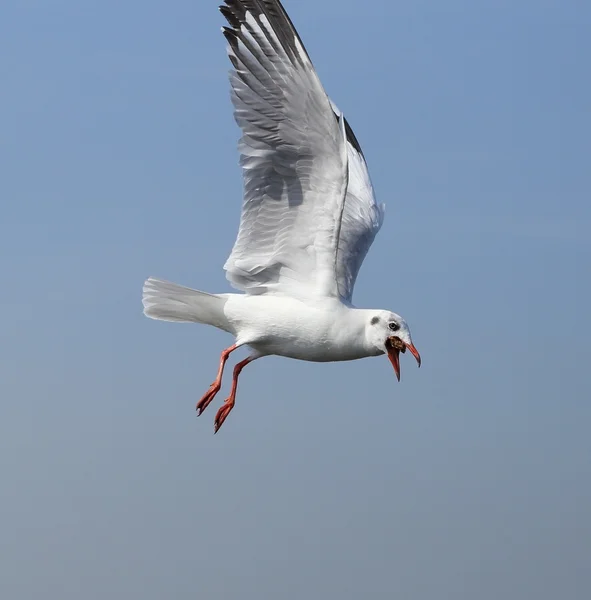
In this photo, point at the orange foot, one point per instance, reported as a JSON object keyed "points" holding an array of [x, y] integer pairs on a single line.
{"points": [[222, 413], [214, 388]]}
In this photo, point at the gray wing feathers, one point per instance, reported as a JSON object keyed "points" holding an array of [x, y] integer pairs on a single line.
{"points": [[362, 216], [361, 221], [309, 215], [293, 156]]}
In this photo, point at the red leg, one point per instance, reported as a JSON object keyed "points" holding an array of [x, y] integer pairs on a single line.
{"points": [[228, 405], [214, 388]]}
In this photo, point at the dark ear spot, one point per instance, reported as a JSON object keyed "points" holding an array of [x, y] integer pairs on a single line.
{"points": [[375, 320]]}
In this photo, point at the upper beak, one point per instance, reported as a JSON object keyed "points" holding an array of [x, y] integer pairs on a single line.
{"points": [[394, 345], [415, 353]]}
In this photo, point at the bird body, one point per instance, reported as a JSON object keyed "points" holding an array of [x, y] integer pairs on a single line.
{"points": [[323, 330], [309, 216]]}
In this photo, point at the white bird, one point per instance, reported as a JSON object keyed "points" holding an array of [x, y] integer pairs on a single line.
{"points": [[309, 216]]}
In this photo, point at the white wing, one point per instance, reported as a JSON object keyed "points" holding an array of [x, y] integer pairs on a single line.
{"points": [[303, 230], [361, 219]]}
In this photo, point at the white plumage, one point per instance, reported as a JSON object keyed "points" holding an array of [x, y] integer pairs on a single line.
{"points": [[309, 214]]}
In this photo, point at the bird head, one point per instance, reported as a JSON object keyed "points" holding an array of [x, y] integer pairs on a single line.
{"points": [[390, 334]]}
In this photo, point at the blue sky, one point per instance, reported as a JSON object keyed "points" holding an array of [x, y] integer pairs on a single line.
{"points": [[469, 479]]}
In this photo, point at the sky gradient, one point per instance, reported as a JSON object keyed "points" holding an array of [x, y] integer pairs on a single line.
{"points": [[470, 479]]}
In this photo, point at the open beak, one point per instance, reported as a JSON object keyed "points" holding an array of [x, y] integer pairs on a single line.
{"points": [[394, 346]]}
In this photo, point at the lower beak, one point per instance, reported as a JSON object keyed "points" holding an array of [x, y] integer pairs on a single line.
{"points": [[394, 346], [394, 356]]}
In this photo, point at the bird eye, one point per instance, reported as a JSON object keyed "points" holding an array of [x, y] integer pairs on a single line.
{"points": [[394, 326]]}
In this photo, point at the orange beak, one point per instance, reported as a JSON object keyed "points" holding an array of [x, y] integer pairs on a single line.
{"points": [[394, 346]]}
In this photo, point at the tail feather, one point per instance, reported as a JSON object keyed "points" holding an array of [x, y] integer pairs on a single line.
{"points": [[168, 301]]}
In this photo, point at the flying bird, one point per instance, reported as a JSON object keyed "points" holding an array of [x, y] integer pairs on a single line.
{"points": [[309, 216]]}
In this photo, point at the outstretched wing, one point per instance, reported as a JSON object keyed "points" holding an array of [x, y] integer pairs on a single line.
{"points": [[361, 219], [307, 220]]}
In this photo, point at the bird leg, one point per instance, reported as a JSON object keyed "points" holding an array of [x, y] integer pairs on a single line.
{"points": [[228, 405], [214, 388]]}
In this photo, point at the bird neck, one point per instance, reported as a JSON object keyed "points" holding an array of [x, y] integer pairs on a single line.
{"points": [[352, 327]]}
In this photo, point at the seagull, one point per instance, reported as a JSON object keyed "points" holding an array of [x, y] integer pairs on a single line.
{"points": [[309, 216]]}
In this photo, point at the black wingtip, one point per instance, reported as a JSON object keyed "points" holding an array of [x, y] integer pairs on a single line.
{"points": [[235, 11], [232, 19], [351, 138]]}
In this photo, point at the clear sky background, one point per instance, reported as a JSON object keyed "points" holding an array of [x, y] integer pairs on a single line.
{"points": [[470, 479]]}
